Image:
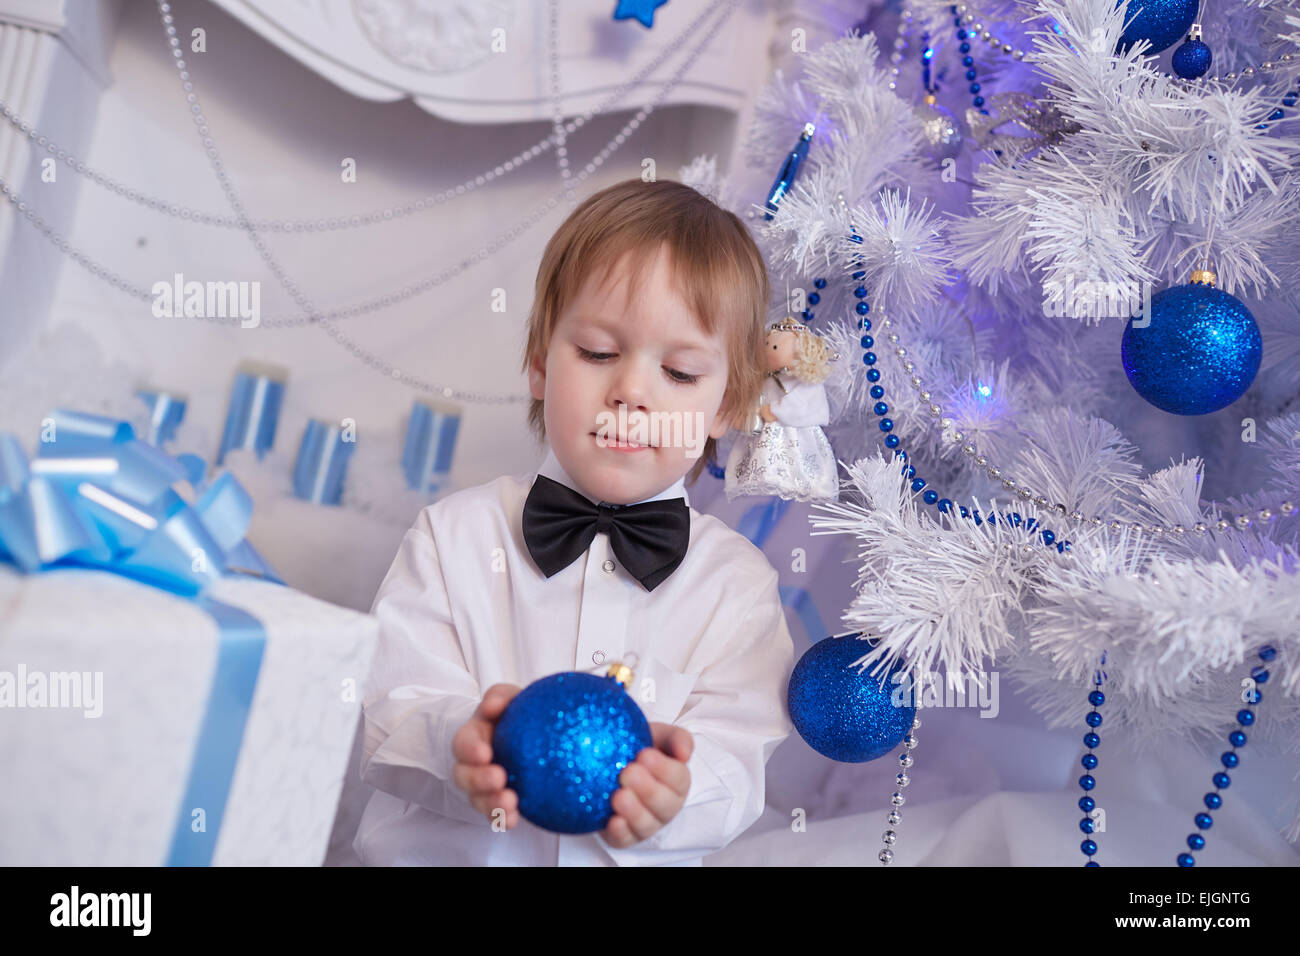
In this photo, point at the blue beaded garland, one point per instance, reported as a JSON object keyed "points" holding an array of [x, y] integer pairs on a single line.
{"points": [[1229, 759]]}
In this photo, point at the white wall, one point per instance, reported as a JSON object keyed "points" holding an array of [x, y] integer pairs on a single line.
{"points": [[283, 131]]}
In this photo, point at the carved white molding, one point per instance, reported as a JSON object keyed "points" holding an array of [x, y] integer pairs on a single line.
{"points": [[434, 36], [47, 16], [387, 50]]}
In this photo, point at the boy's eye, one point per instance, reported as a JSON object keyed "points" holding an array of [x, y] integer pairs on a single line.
{"points": [[680, 378]]}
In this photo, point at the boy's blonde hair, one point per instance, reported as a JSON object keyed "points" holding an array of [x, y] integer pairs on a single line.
{"points": [[718, 270]]}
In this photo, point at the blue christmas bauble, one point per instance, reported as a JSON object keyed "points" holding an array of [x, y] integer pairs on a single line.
{"points": [[1160, 22], [563, 741], [840, 710], [1198, 353], [1192, 59]]}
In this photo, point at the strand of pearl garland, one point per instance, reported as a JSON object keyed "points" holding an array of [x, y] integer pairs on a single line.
{"points": [[387, 214]]}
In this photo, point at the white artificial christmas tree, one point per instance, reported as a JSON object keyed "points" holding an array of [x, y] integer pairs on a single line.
{"points": [[1088, 176]]}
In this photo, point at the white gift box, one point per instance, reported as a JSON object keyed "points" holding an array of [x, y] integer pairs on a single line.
{"points": [[96, 768]]}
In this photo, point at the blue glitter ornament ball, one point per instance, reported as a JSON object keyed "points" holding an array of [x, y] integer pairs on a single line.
{"points": [[1199, 353], [1160, 22], [563, 741], [1192, 59], [841, 711]]}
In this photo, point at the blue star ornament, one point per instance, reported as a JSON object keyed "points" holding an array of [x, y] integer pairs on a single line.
{"points": [[643, 10]]}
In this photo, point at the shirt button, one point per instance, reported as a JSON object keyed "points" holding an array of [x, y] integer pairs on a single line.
{"points": [[608, 565], [598, 657]]}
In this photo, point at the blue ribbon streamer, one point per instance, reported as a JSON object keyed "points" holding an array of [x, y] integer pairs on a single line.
{"points": [[255, 401], [322, 463], [166, 412], [221, 734], [757, 524], [96, 496], [430, 441], [802, 602]]}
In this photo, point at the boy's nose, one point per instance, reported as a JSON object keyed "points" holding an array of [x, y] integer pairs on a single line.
{"points": [[631, 390]]}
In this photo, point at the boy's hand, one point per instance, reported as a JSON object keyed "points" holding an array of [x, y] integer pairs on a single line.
{"points": [[483, 781], [652, 789]]}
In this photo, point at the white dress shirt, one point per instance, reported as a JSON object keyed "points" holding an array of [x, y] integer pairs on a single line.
{"points": [[464, 607]]}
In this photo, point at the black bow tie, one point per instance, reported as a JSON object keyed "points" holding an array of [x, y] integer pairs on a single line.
{"points": [[650, 538]]}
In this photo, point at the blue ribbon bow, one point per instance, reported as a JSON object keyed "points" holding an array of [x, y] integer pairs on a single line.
{"points": [[96, 496]]}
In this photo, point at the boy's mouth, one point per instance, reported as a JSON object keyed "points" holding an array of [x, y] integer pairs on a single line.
{"points": [[618, 444]]}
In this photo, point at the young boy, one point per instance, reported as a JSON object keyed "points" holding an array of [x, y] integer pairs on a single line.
{"points": [[643, 348]]}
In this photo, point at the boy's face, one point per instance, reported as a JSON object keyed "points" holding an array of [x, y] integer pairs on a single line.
{"points": [[632, 385]]}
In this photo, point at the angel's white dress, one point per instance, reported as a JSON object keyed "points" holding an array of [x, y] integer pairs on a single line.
{"points": [[789, 457]]}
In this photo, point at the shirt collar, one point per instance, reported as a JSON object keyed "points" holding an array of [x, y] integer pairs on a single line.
{"points": [[551, 468]]}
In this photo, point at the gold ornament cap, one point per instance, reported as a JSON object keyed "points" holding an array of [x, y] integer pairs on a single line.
{"points": [[1204, 277], [621, 671]]}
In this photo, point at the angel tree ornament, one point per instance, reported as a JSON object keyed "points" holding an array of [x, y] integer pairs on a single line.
{"points": [[786, 453]]}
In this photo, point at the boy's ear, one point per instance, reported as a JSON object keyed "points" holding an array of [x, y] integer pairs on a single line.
{"points": [[537, 378]]}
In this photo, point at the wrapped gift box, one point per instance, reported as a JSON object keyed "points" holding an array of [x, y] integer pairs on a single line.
{"points": [[101, 779]]}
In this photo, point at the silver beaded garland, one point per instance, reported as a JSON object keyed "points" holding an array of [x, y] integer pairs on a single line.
{"points": [[896, 800]]}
